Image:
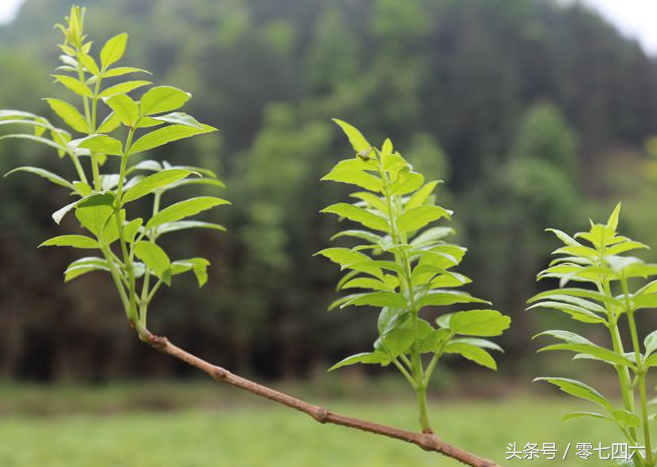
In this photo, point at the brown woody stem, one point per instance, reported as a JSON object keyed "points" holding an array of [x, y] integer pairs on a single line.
{"points": [[426, 441]]}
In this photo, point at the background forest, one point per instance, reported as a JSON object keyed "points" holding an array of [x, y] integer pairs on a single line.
{"points": [[536, 113]]}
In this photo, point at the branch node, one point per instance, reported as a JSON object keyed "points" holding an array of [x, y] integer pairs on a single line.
{"points": [[220, 374], [321, 414], [158, 342]]}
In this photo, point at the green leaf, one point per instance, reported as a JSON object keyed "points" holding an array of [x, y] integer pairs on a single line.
{"points": [[163, 99], [419, 217], [483, 343], [184, 209], [576, 312], [113, 50], [366, 283], [54, 178], [126, 109], [579, 389], [69, 114], [89, 63], [447, 297], [38, 139], [83, 266], [101, 143], [344, 172], [486, 323], [431, 235], [151, 183], [573, 415], [398, 341], [575, 292], [183, 225], [362, 234], [343, 256], [436, 340], [74, 85], [380, 299], [58, 215], [565, 336], [131, 229], [366, 357], [564, 237], [420, 196], [198, 265], [357, 140], [75, 241], [94, 212], [123, 70], [111, 123], [650, 342], [371, 201], [471, 352], [155, 259], [168, 134], [356, 214], [123, 88], [179, 118], [625, 418], [612, 222], [391, 318], [10, 114], [407, 181], [594, 351]]}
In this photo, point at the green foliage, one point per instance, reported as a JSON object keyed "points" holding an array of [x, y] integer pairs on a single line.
{"points": [[402, 264], [609, 287], [106, 121]]}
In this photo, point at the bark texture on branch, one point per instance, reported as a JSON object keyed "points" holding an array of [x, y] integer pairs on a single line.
{"points": [[428, 442]]}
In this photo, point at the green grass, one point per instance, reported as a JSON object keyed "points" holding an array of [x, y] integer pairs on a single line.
{"points": [[206, 426]]}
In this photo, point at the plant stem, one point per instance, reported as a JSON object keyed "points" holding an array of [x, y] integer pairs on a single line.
{"points": [[78, 168], [617, 343], [406, 284], [641, 373], [403, 371], [422, 405], [133, 314]]}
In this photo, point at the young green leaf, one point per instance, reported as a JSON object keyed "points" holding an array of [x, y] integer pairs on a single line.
{"points": [[54, 178], [101, 143], [365, 357], [163, 99], [75, 241], [123, 88], [125, 109], [69, 114], [168, 134], [113, 50], [153, 182], [357, 140], [155, 259], [484, 323], [356, 214], [184, 209], [473, 353]]}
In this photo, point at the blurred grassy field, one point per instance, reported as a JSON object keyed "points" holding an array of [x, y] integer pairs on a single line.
{"points": [[202, 425]]}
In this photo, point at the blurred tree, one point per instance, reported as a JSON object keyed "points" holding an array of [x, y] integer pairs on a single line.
{"points": [[534, 188]]}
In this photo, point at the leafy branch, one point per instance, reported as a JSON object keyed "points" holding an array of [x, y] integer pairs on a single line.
{"points": [[128, 248], [403, 265], [597, 260]]}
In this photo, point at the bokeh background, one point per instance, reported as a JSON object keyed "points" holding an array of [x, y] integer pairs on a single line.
{"points": [[536, 113]]}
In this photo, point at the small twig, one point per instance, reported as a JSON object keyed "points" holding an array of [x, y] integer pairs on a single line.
{"points": [[428, 442]]}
